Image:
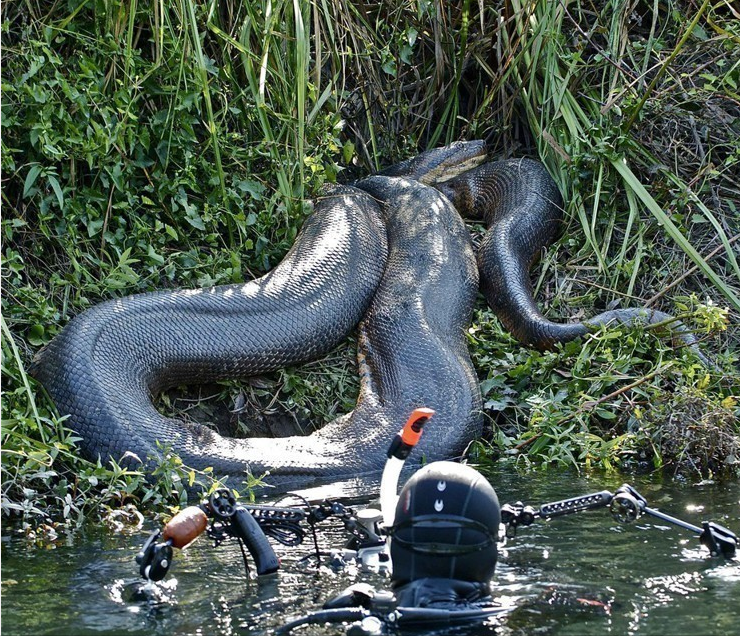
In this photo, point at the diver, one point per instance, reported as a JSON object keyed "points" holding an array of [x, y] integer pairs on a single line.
{"points": [[439, 537], [445, 535], [443, 531], [442, 535], [443, 550]]}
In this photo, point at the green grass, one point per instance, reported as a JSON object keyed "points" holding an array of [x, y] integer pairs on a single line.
{"points": [[148, 145], [595, 98]]}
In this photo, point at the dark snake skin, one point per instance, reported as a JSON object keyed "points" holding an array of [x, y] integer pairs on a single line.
{"points": [[387, 250], [522, 207]]}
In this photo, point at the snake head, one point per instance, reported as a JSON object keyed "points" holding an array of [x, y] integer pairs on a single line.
{"points": [[440, 164]]}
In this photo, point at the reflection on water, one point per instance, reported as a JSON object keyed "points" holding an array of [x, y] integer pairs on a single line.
{"points": [[583, 574]]}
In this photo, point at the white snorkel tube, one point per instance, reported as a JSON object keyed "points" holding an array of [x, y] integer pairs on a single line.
{"points": [[374, 552], [398, 451]]}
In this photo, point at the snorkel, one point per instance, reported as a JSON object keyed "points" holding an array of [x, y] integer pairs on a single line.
{"points": [[398, 451]]}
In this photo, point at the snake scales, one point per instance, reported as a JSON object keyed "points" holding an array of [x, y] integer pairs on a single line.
{"points": [[390, 252]]}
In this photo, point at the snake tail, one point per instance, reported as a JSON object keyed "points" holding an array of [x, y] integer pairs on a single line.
{"points": [[522, 207]]}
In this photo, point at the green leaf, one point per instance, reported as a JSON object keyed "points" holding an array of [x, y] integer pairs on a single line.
{"points": [[491, 383], [94, 226], [411, 35], [254, 188], [57, 190], [405, 53], [36, 335], [195, 220], [31, 177], [152, 254], [604, 414], [348, 151]]}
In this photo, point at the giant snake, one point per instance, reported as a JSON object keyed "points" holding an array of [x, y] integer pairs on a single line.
{"points": [[389, 252]]}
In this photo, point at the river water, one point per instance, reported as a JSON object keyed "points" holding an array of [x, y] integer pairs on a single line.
{"points": [[582, 574]]}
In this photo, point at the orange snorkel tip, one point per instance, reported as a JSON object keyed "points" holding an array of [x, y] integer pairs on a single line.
{"points": [[410, 434]]}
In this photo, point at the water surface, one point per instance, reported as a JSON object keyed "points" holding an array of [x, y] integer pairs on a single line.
{"points": [[583, 574]]}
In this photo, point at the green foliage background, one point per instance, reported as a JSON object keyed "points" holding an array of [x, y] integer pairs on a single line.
{"points": [[148, 145]]}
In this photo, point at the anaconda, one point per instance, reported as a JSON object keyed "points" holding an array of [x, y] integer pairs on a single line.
{"points": [[520, 204], [390, 250]]}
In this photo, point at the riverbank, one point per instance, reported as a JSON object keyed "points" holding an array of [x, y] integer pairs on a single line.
{"points": [[148, 147]]}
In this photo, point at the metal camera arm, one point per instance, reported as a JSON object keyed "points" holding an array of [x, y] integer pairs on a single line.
{"points": [[222, 518], [626, 505], [227, 520], [251, 524]]}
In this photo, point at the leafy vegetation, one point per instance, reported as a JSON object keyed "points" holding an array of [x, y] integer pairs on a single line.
{"points": [[148, 145]]}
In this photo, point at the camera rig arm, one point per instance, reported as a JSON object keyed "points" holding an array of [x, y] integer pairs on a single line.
{"points": [[626, 505], [222, 519], [227, 520]]}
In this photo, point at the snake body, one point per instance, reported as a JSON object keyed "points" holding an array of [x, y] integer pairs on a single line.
{"points": [[386, 250], [520, 204], [103, 368]]}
